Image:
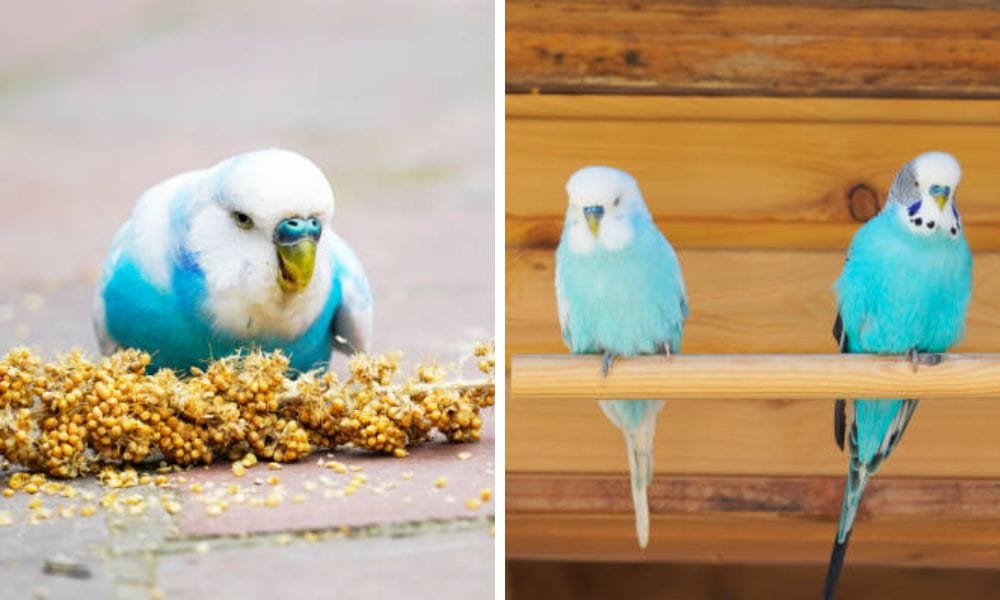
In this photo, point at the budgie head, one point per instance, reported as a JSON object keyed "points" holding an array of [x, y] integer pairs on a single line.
{"points": [[605, 204], [256, 229], [923, 193]]}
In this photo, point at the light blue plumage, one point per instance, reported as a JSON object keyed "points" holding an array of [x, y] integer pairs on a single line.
{"points": [[620, 293], [241, 255], [905, 288]]}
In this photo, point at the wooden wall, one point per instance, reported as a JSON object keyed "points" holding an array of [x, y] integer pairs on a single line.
{"points": [[760, 194]]}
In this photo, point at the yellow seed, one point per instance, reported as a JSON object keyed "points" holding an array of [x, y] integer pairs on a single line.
{"points": [[274, 466], [5, 518], [464, 455], [196, 488], [35, 503], [441, 482], [408, 475], [88, 510], [239, 470], [214, 510], [272, 501], [298, 498], [485, 495], [249, 460], [473, 503], [272, 480], [172, 507], [7, 493]]}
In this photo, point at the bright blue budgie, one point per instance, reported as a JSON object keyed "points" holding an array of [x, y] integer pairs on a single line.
{"points": [[904, 289], [620, 293], [238, 255]]}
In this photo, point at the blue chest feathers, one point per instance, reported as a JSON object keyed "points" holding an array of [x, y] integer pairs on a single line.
{"points": [[900, 290], [171, 327], [628, 301]]}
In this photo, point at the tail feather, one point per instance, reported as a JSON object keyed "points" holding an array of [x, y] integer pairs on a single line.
{"points": [[836, 565], [637, 420], [640, 464], [854, 487]]}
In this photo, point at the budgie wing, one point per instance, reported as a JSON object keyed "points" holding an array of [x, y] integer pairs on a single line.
{"points": [[352, 325], [840, 406]]}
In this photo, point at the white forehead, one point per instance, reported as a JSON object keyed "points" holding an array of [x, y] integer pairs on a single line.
{"points": [[937, 168], [599, 185], [271, 185]]}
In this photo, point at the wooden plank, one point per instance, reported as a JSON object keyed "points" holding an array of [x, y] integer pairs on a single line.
{"points": [[768, 497], [742, 301], [739, 172], [771, 48], [544, 580], [731, 538], [753, 438], [741, 377]]}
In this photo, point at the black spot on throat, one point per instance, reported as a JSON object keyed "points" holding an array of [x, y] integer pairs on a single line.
{"points": [[930, 224], [918, 221]]}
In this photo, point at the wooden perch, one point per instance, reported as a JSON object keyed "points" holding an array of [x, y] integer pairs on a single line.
{"points": [[758, 376]]}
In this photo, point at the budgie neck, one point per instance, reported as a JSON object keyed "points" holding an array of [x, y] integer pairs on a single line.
{"points": [[616, 233]]}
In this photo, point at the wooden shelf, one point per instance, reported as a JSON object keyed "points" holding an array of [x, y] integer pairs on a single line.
{"points": [[783, 47]]}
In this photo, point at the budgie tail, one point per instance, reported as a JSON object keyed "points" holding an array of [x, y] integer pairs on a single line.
{"points": [[637, 420], [857, 477]]}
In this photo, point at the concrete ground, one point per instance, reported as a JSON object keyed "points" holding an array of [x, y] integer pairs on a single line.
{"points": [[394, 101]]}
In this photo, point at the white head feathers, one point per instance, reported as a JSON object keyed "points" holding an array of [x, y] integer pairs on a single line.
{"points": [[603, 201], [238, 256], [925, 190]]}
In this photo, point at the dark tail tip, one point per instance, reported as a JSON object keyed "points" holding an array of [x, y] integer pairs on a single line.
{"points": [[836, 565]]}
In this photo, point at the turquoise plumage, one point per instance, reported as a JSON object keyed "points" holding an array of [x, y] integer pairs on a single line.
{"points": [[620, 293], [905, 288], [234, 257]]}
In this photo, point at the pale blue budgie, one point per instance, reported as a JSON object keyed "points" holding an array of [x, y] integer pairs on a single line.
{"points": [[238, 255], [620, 293], [904, 289]]}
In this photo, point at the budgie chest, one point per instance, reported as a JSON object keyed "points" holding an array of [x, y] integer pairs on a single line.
{"points": [[173, 327], [902, 291], [628, 301]]}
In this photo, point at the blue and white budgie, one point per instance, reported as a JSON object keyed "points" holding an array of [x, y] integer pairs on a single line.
{"points": [[238, 255], [904, 289], [620, 293]]}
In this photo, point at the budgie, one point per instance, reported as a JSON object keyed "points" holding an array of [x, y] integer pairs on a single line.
{"points": [[905, 288], [620, 293], [239, 255]]}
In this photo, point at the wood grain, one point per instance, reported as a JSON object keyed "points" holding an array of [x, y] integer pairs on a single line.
{"points": [[753, 438], [750, 539], [742, 301], [772, 48], [757, 377], [740, 172], [770, 497], [545, 580]]}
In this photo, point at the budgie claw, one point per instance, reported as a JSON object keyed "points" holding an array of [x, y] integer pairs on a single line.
{"points": [[916, 358], [667, 350], [606, 363]]}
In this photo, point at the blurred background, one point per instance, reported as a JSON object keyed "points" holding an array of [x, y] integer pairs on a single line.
{"points": [[393, 100]]}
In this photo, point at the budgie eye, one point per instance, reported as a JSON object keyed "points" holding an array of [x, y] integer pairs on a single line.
{"points": [[242, 220]]}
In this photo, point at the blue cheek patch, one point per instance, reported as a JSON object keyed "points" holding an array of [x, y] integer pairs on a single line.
{"points": [[954, 210], [913, 208]]}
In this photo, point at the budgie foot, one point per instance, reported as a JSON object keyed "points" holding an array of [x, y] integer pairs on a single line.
{"points": [[606, 363], [916, 358], [667, 351]]}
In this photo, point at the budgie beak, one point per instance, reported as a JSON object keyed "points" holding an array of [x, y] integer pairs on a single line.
{"points": [[295, 240], [940, 195], [593, 214]]}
